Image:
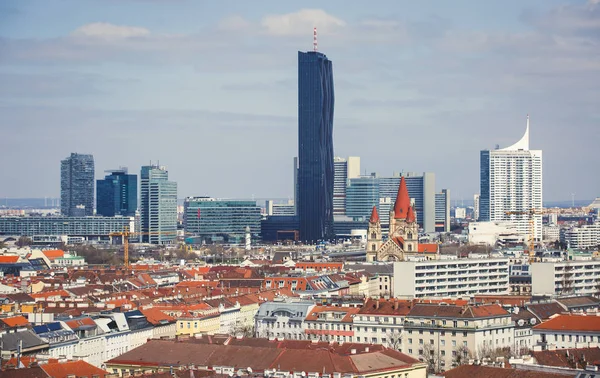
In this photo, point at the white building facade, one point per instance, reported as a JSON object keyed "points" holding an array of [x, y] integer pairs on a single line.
{"points": [[511, 181], [565, 277], [283, 319]]}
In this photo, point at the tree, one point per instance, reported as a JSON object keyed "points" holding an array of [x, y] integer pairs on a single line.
{"points": [[24, 241], [394, 339], [460, 355], [244, 330], [430, 355]]}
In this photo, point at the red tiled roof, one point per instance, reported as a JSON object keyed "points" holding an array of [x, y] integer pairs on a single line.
{"points": [[579, 323], [428, 248], [9, 259], [52, 254], [157, 317], [15, 321], [73, 368], [386, 307], [349, 312], [567, 358], [478, 371], [374, 216], [410, 217], [402, 201], [399, 240], [77, 323]]}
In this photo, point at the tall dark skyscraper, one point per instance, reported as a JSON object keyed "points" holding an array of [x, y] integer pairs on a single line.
{"points": [[116, 194], [77, 185], [315, 146]]}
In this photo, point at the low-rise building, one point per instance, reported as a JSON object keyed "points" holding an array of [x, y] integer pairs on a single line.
{"points": [[331, 323], [568, 331], [283, 319]]}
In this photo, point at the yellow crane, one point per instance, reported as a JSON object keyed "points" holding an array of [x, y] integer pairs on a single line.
{"points": [[126, 234], [531, 213]]}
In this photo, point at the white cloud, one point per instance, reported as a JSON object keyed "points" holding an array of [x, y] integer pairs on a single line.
{"points": [[234, 23], [106, 30], [301, 22]]}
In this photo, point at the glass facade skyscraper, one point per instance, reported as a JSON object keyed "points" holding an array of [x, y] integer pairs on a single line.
{"points": [[77, 185], [158, 205], [211, 220], [315, 146], [116, 194], [361, 195]]}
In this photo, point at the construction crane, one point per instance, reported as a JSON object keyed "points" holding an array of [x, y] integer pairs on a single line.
{"points": [[531, 213], [126, 234]]}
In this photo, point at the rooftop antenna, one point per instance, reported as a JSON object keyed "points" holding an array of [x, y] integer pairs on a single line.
{"points": [[315, 39], [573, 200]]}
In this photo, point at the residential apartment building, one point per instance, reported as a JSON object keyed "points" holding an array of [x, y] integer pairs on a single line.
{"points": [[582, 237], [579, 277], [448, 334], [283, 319], [331, 323], [381, 321], [89, 228], [568, 331], [511, 181], [158, 205], [451, 278], [219, 220]]}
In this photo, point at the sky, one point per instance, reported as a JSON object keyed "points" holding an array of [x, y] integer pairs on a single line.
{"points": [[209, 89]]}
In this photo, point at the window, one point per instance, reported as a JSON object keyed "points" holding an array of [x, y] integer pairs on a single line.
{"points": [[410, 341], [465, 334], [443, 342], [421, 341], [431, 341], [464, 343], [443, 353], [453, 343]]}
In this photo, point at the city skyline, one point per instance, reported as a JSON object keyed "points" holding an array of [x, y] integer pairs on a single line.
{"points": [[100, 83]]}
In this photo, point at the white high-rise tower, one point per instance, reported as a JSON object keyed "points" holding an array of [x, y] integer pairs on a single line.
{"points": [[511, 181]]}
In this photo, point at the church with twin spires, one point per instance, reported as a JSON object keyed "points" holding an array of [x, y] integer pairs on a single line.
{"points": [[403, 237]]}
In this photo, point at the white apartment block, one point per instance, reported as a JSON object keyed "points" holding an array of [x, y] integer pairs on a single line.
{"points": [[511, 181], [585, 236], [551, 233], [579, 277], [451, 278], [449, 333], [283, 319]]}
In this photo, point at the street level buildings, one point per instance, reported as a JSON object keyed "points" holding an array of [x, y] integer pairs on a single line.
{"points": [[77, 185], [511, 181], [158, 205], [116, 194], [315, 146]]}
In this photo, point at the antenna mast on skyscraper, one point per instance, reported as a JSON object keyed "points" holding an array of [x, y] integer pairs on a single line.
{"points": [[315, 39]]}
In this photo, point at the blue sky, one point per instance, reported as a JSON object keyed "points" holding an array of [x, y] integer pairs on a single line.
{"points": [[209, 89]]}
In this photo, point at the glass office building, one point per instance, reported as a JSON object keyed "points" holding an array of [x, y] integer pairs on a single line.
{"points": [[158, 205], [315, 146], [77, 185], [361, 195], [219, 220], [116, 194]]}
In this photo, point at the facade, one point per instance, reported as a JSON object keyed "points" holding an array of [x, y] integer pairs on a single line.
{"points": [[403, 239], [315, 146], [87, 227], [331, 323], [490, 233], [283, 319], [511, 181], [449, 334], [568, 331], [362, 194], [77, 185], [344, 169], [280, 209], [158, 205], [279, 228], [451, 278], [476, 207], [381, 321], [442, 211], [565, 277], [582, 237], [116, 194], [211, 219]]}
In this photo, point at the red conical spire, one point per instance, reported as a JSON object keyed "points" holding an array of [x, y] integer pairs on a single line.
{"points": [[410, 217], [402, 201], [374, 215]]}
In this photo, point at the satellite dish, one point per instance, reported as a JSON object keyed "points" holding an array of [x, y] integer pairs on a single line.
{"points": [[303, 374], [230, 374], [249, 370], [51, 274], [533, 321], [521, 322]]}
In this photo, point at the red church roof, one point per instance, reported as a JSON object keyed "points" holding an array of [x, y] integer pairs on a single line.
{"points": [[374, 215], [402, 201], [410, 217]]}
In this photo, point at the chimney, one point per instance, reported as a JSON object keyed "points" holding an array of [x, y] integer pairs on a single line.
{"points": [[377, 305], [352, 351], [396, 304], [367, 350]]}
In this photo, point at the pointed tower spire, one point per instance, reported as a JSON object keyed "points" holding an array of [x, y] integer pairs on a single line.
{"points": [[402, 201], [410, 217], [374, 215]]}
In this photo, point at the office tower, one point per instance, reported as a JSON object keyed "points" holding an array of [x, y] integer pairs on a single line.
{"points": [[219, 220], [315, 146], [116, 194], [442, 211], [343, 170], [476, 207], [511, 181], [158, 205], [362, 196], [77, 185], [296, 185], [277, 209], [421, 189]]}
